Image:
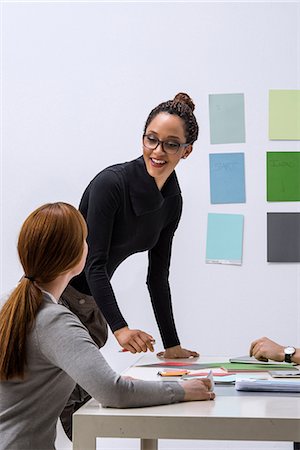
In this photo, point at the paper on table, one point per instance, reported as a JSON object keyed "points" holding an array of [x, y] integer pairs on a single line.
{"points": [[204, 372], [183, 365], [219, 379], [252, 384], [242, 367], [251, 360]]}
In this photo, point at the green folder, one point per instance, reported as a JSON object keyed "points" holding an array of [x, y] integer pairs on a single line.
{"points": [[245, 367]]}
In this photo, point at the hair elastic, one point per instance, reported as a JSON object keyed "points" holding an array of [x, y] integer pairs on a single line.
{"points": [[30, 278]]}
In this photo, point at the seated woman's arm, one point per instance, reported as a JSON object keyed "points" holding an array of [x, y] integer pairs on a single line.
{"points": [[65, 342]]}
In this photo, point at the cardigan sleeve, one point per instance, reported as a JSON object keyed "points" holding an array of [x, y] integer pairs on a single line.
{"points": [[158, 280], [105, 196], [66, 344]]}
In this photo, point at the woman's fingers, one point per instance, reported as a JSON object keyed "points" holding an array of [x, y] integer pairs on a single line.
{"points": [[176, 353], [135, 341]]}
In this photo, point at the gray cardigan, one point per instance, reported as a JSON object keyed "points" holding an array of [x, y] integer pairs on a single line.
{"points": [[60, 353]]}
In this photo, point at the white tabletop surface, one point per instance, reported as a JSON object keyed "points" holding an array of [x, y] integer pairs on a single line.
{"points": [[232, 415]]}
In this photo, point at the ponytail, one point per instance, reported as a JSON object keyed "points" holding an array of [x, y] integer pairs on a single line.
{"points": [[51, 242], [16, 320]]}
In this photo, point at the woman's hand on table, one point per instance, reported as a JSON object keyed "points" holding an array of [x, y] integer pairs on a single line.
{"points": [[177, 352], [197, 389], [135, 341]]}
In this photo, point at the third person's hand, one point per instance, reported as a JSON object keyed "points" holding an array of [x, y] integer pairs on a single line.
{"points": [[264, 349]]}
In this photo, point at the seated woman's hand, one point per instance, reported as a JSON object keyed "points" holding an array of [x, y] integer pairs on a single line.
{"points": [[135, 341], [177, 352], [197, 389]]}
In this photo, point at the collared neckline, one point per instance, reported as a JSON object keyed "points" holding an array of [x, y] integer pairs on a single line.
{"points": [[49, 295], [144, 193]]}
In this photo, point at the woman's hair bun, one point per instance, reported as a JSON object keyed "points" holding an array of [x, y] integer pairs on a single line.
{"points": [[184, 98]]}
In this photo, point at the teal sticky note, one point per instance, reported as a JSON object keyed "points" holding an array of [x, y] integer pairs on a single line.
{"points": [[224, 242], [227, 178], [227, 118]]}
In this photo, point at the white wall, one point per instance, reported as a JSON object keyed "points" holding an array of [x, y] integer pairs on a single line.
{"points": [[78, 81]]}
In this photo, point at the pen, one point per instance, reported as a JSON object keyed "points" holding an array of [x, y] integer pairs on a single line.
{"points": [[211, 378]]}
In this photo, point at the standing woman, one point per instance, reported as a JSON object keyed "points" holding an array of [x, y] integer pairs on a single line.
{"points": [[45, 349], [134, 207]]}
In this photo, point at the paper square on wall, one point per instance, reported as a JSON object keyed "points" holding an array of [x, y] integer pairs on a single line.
{"points": [[283, 237], [284, 114], [227, 118], [227, 178], [224, 242], [283, 176]]}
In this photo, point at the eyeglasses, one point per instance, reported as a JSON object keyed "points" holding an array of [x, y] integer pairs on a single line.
{"points": [[171, 147]]}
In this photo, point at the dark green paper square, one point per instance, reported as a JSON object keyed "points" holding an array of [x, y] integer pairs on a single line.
{"points": [[283, 176]]}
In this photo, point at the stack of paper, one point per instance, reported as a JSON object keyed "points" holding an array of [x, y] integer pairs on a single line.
{"points": [[252, 384]]}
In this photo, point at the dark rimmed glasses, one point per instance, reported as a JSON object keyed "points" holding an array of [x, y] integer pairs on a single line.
{"points": [[151, 142]]}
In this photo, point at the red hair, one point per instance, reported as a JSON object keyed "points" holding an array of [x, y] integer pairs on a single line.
{"points": [[50, 243]]}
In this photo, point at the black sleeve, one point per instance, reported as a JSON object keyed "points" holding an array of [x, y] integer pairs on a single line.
{"points": [[158, 281], [103, 203]]}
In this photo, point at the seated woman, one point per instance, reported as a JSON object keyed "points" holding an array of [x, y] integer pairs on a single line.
{"points": [[45, 349]]}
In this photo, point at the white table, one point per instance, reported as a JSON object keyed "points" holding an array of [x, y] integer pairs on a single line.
{"points": [[231, 416]]}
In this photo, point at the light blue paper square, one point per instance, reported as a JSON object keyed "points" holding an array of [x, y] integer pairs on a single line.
{"points": [[227, 178], [227, 118], [224, 244]]}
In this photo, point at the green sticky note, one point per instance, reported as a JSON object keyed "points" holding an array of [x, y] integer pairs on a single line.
{"points": [[283, 176], [284, 114], [227, 118]]}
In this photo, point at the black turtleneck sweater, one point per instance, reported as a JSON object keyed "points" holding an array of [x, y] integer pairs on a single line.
{"points": [[126, 213]]}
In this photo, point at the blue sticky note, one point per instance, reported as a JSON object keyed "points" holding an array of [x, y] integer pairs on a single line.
{"points": [[227, 118], [224, 243], [227, 178]]}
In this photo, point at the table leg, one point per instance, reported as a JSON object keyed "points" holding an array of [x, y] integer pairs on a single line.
{"points": [[83, 437], [149, 444]]}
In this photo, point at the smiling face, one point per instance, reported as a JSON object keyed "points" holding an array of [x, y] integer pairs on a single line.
{"points": [[159, 164]]}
